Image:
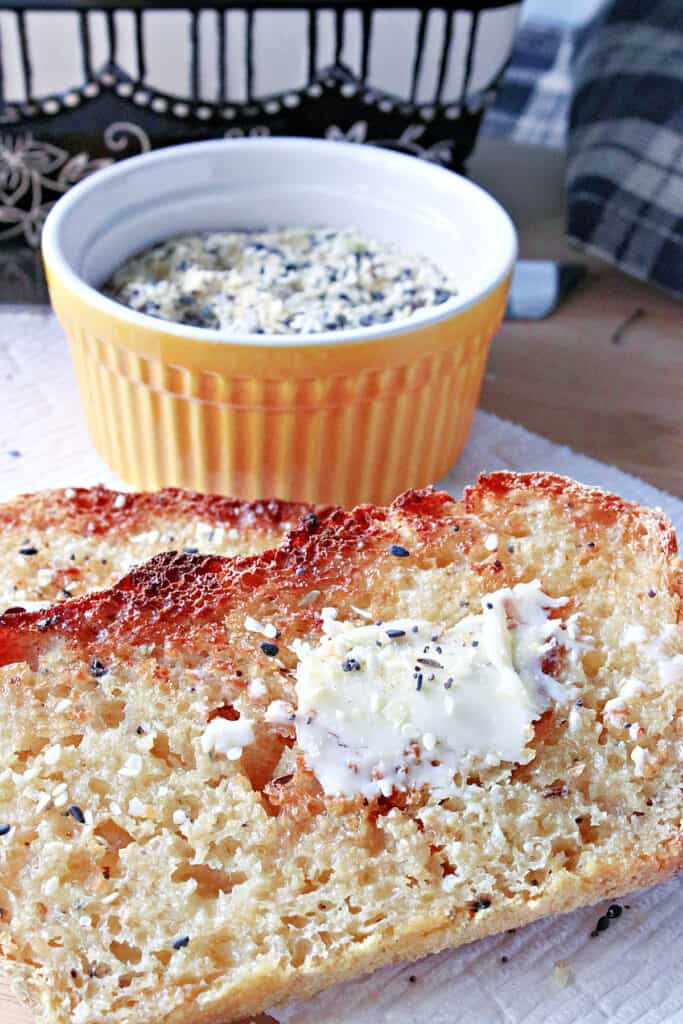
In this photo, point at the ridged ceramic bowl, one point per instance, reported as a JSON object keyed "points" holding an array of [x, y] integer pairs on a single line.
{"points": [[342, 417]]}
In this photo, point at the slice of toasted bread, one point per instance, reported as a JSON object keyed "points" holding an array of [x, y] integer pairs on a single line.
{"points": [[147, 877], [63, 543]]}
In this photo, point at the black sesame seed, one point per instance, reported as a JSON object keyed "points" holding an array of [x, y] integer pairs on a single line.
{"points": [[489, 605], [181, 942], [398, 551], [498, 564], [475, 643], [97, 669], [447, 685], [270, 649], [76, 813], [14, 454], [418, 682], [602, 925], [412, 979], [652, 593], [350, 665], [441, 295], [191, 551], [429, 662], [4, 829], [481, 904], [28, 549], [614, 911], [415, 629], [394, 634], [310, 521], [504, 959], [511, 548], [456, 527], [464, 604], [65, 592]]}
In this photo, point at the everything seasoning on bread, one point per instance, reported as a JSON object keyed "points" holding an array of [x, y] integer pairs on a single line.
{"points": [[401, 730]]}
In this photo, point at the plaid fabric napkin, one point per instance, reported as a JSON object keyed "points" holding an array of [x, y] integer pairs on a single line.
{"points": [[625, 168], [532, 102]]}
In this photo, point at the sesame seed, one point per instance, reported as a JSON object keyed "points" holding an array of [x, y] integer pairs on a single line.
{"points": [[268, 648], [181, 942], [614, 911], [191, 551], [412, 979], [399, 551], [481, 904], [97, 669], [418, 682], [394, 634], [28, 549], [4, 829], [350, 665], [415, 629], [76, 813], [447, 685], [652, 593]]}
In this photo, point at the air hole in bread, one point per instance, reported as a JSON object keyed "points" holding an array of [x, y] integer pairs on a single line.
{"points": [[116, 837], [161, 748], [112, 712], [261, 760], [210, 881], [23, 756], [126, 953], [74, 740], [98, 786], [300, 951], [592, 662], [227, 711]]}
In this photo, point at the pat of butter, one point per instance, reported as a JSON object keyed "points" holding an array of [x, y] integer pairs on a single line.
{"points": [[407, 702]]}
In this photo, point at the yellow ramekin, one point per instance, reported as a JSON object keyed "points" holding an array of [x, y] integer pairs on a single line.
{"points": [[342, 417]]}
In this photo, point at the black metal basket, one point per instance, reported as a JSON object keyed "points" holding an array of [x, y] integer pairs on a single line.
{"points": [[110, 103]]}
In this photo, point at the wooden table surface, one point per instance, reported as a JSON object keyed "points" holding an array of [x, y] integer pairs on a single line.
{"points": [[592, 376], [604, 374]]}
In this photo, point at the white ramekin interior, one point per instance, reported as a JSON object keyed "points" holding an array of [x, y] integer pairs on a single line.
{"points": [[270, 183]]}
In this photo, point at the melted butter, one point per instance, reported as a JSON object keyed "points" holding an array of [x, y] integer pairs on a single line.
{"points": [[402, 703]]}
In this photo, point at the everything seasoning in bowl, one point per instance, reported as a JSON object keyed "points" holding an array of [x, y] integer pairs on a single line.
{"points": [[288, 281], [280, 317]]}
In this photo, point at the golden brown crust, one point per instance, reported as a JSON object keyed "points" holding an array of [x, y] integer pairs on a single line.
{"points": [[94, 511]]}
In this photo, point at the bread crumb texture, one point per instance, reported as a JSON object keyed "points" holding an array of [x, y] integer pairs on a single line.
{"points": [[64, 543], [147, 876]]}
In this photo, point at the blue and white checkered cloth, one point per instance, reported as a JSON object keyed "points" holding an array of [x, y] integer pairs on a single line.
{"points": [[612, 91], [625, 161], [532, 102]]}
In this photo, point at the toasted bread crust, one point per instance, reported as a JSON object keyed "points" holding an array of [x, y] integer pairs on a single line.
{"points": [[95, 511], [601, 832], [59, 544]]}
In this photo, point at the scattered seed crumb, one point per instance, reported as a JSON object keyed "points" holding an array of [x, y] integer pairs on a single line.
{"points": [[561, 974]]}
